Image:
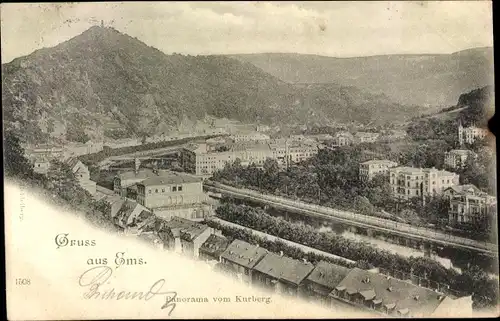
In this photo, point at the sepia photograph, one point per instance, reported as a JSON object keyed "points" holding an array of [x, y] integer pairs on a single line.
{"points": [[258, 159]]}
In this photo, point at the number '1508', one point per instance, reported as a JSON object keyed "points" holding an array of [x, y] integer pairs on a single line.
{"points": [[23, 282]]}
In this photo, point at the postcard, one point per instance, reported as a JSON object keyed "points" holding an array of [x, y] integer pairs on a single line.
{"points": [[250, 160]]}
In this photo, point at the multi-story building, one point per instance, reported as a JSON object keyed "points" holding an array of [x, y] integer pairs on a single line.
{"points": [[240, 258], [408, 182], [82, 175], [184, 236], [368, 169], [470, 134], [321, 281], [281, 274], [457, 158], [172, 194], [343, 139], [40, 163], [124, 180], [213, 247], [249, 136], [388, 296], [469, 205], [366, 137], [201, 159]]}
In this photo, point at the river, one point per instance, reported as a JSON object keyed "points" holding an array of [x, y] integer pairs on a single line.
{"points": [[448, 257]]}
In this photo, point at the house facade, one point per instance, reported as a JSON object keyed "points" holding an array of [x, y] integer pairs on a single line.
{"points": [[470, 134], [82, 175], [469, 205], [281, 274], [343, 139], [240, 258], [368, 169], [457, 158], [408, 182], [387, 296], [321, 281], [174, 194]]}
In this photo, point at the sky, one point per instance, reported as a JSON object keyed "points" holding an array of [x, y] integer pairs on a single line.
{"points": [[340, 29]]}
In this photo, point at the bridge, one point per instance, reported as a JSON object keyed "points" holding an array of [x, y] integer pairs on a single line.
{"points": [[142, 155], [403, 231]]}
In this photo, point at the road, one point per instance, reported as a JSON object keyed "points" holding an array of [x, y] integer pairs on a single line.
{"points": [[359, 220], [273, 238]]}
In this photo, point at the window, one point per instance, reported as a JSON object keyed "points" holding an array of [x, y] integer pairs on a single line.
{"points": [[149, 191], [174, 188], [163, 190], [156, 190]]}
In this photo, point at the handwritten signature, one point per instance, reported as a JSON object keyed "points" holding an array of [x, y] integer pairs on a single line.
{"points": [[94, 278]]}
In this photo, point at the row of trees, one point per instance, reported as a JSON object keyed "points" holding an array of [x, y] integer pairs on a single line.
{"points": [[474, 280], [232, 233]]}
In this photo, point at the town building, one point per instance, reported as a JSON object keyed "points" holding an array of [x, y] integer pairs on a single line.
{"points": [[204, 159], [44, 150], [366, 137], [40, 163], [82, 175], [127, 213], [240, 258], [122, 143], [74, 149], [124, 180], [287, 152], [470, 134], [172, 194], [408, 182], [368, 169], [184, 236], [321, 281], [213, 247], [281, 274], [262, 128], [457, 158], [321, 138], [469, 205], [249, 136], [392, 297], [343, 138]]}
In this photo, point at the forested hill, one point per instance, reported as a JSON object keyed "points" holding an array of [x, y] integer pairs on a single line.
{"points": [[472, 108], [103, 82], [425, 79]]}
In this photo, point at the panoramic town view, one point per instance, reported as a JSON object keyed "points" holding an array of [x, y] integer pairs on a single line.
{"points": [[361, 182]]}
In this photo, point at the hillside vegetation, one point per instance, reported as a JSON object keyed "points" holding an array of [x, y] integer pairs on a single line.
{"points": [[105, 83], [434, 80]]}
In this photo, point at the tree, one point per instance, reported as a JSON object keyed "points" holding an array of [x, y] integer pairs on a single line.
{"points": [[16, 164]]}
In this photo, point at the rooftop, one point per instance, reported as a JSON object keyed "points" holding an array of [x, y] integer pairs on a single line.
{"points": [[142, 173], [168, 178], [378, 161], [328, 275], [215, 245], [285, 268], [243, 253], [188, 230], [460, 151], [392, 293]]}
